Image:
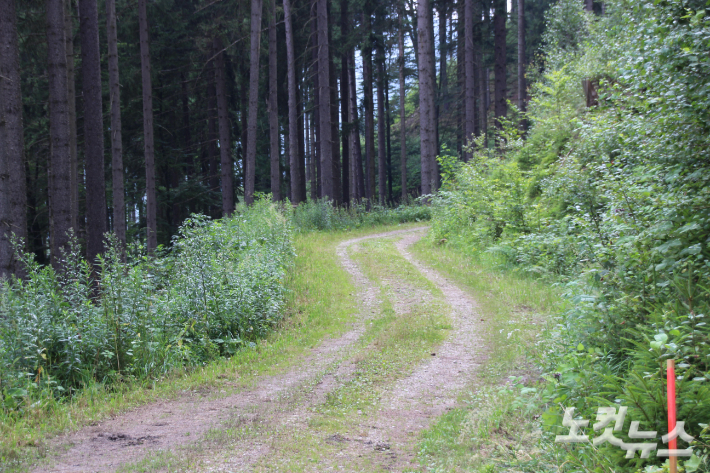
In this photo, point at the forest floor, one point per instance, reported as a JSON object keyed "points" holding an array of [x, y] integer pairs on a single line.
{"points": [[358, 399]]}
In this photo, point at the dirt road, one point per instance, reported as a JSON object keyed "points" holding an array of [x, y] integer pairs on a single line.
{"points": [[296, 420]]}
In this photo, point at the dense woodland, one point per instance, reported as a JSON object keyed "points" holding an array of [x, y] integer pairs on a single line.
{"points": [[129, 116]]}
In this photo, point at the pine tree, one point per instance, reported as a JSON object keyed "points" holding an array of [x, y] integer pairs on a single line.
{"points": [[148, 143], [13, 194], [293, 133], [255, 49], [426, 100], [59, 132], [275, 145], [225, 141], [501, 86], [402, 111], [119, 207]]}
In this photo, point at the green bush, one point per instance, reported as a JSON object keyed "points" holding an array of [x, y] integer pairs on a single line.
{"points": [[321, 215], [218, 289]]}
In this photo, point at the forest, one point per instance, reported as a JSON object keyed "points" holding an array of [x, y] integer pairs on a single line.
{"points": [[312, 210], [129, 118]]}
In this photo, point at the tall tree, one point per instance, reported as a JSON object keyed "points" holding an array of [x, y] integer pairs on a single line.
{"points": [[60, 155], [369, 108], [275, 145], [71, 99], [345, 101], [255, 49], [93, 128], [148, 144], [294, 156], [119, 207], [356, 149], [469, 75], [521, 56], [381, 122], [443, 7], [13, 195], [325, 128], [426, 99], [501, 87], [402, 111], [225, 141]]}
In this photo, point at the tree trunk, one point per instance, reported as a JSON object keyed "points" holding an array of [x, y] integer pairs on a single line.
{"points": [[389, 145], [443, 56], [93, 129], [589, 5], [381, 125], [71, 98], [369, 114], [225, 140], [275, 141], [356, 149], [148, 145], [13, 195], [301, 163], [294, 155], [402, 112], [426, 100], [460, 79], [59, 132], [521, 56], [501, 104], [345, 103], [326, 130], [255, 49], [213, 172], [469, 73], [119, 207], [484, 100]]}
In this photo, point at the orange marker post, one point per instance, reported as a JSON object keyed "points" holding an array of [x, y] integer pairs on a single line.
{"points": [[672, 444]]}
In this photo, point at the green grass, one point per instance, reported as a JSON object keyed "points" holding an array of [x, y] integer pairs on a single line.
{"points": [[498, 429], [320, 305]]}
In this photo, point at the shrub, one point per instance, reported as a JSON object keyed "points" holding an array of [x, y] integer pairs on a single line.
{"points": [[219, 288]]}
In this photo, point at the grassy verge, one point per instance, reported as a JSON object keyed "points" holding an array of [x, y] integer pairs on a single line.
{"points": [[498, 430], [320, 305]]}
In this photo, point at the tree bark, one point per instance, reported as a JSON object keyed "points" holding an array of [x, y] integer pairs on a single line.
{"points": [[225, 140], [501, 87], [294, 155], [13, 195], [345, 102], [334, 121], [148, 144], [402, 111], [93, 129], [255, 49], [325, 129], [71, 98], [369, 106], [356, 149], [381, 125], [388, 127], [275, 141], [119, 207], [443, 56], [469, 74], [521, 56], [589, 5], [59, 132], [426, 100]]}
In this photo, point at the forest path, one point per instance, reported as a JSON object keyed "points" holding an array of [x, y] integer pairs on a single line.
{"points": [[354, 403]]}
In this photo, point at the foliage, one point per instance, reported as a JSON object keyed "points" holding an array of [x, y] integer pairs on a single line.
{"points": [[321, 215], [218, 289], [614, 209]]}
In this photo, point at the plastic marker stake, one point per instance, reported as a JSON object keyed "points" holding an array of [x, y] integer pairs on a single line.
{"points": [[672, 444]]}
